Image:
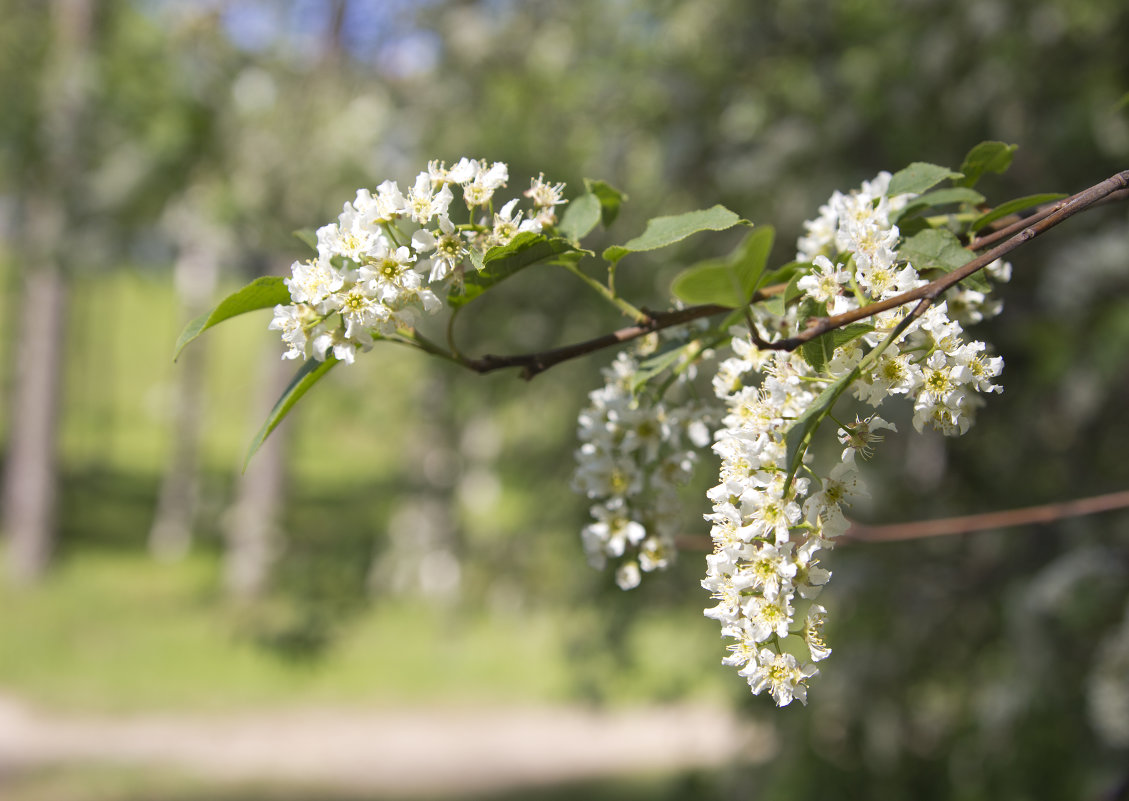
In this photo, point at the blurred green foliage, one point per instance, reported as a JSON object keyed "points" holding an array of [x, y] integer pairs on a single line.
{"points": [[961, 665]]}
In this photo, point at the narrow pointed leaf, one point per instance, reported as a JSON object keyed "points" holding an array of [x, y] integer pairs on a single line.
{"points": [[663, 231], [800, 434], [262, 293], [312, 372], [656, 364], [1013, 206]]}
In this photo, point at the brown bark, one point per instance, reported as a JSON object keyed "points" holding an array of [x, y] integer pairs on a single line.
{"points": [[30, 476]]}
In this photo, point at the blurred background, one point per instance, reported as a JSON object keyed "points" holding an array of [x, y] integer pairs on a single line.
{"points": [[407, 541]]}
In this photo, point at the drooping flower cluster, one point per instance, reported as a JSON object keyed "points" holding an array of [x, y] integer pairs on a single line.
{"points": [[633, 454], [376, 265], [772, 514]]}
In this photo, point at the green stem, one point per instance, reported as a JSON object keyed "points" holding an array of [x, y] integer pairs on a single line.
{"points": [[415, 339], [608, 294]]}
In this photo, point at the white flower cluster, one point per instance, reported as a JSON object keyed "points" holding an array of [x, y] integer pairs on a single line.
{"points": [[852, 246], [373, 266], [632, 456], [767, 530]]}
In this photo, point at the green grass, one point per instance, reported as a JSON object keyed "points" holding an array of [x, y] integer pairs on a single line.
{"points": [[115, 632]]}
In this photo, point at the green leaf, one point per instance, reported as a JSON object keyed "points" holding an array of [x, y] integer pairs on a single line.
{"points": [[580, 217], [778, 304], [262, 293], [799, 435], [708, 282], [918, 177], [308, 236], [986, 157], [935, 249], [500, 262], [939, 249], [819, 351], [1012, 206], [312, 372], [663, 231], [729, 282], [938, 197], [610, 199]]}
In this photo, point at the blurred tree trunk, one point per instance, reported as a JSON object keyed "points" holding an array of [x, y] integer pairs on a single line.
{"points": [[195, 275], [30, 476], [252, 524]]}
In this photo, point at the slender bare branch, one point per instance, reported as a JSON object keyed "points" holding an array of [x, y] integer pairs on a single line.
{"points": [[966, 524], [1045, 513]]}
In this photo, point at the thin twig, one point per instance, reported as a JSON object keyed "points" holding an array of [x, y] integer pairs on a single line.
{"points": [[920, 529], [1045, 513]]}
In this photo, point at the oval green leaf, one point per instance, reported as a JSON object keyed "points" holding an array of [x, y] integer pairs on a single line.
{"points": [[663, 231], [986, 157], [918, 177], [580, 217], [610, 199], [730, 282]]}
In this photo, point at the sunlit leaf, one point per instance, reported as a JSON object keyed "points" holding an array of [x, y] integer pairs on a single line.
{"points": [[663, 231], [731, 281], [918, 177], [262, 293], [580, 216]]}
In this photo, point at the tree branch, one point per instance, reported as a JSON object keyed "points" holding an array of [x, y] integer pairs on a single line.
{"points": [[533, 363], [966, 524], [1030, 515], [1014, 235]]}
